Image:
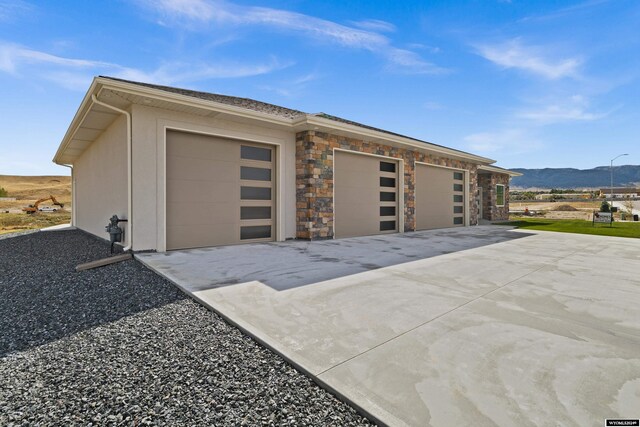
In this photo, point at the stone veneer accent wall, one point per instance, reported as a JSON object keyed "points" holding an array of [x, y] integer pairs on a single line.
{"points": [[488, 183], [314, 180]]}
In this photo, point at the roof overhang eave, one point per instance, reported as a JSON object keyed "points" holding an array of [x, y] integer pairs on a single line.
{"points": [[100, 84], [496, 169], [310, 122], [81, 113]]}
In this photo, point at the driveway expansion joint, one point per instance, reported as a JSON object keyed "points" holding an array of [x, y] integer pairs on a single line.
{"points": [[429, 321]]}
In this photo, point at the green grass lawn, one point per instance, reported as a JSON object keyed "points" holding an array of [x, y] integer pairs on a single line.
{"points": [[617, 229]]}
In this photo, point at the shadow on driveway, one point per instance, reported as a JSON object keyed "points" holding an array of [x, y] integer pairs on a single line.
{"points": [[43, 298], [287, 265]]}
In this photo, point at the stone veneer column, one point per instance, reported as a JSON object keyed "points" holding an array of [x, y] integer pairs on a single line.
{"points": [[314, 180], [488, 182], [484, 181], [314, 186]]}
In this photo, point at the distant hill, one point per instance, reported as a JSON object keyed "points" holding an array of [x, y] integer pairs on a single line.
{"points": [[35, 187], [623, 176]]}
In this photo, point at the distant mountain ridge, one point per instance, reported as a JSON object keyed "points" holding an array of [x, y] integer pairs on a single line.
{"points": [[623, 176]]}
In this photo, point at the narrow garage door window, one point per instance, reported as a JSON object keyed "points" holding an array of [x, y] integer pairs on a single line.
{"points": [[388, 197], [458, 203], [252, 232], [250, 152], [257, 174], [255, 212], [256, 193]]}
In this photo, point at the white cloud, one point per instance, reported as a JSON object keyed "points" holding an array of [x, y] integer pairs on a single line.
{"points": [[510, 140], [14, 58], [513, 54], [375, 25], [10, 9], [560, 13], [430, 49], [557, 113], [306, 78], [76, 74], [11, 56], [180, 72], [403, 60], [576, 108], [199, 12], [69, 79], [292, 88]]}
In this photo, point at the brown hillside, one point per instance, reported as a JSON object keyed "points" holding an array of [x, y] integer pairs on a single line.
{"points": [[35, 187], [28, 189]]}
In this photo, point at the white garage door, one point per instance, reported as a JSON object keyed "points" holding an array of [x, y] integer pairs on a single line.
{"points": [[219, 191], [366, 195], [440, 195]]}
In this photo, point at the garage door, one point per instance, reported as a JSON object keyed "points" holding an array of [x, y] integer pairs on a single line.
{"points": [[219, 191], [366, 195], [439, 197]]}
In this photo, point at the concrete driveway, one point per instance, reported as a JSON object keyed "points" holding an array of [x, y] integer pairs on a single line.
{"points": [[474, 326]]}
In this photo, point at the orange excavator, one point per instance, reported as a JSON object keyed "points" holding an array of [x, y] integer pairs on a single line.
{"points": [[31, 209]]}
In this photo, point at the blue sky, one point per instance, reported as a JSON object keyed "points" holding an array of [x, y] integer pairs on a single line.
{"points": [[528, 83]]}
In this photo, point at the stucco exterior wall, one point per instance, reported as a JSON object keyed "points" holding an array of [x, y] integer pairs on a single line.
{"points": [[488, 182], [100, 180], [314, 180], [149, 130]]}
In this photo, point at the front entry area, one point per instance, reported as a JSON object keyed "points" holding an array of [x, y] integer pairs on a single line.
{"points": [[366, 195], [219, 191], [440, 197]]}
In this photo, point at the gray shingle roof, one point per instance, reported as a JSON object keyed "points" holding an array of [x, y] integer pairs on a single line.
{"points": [[351, 122], [264, 107], [249, 104]]}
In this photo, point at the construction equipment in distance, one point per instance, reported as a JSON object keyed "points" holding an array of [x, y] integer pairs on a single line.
{"points": [[31, 209]]}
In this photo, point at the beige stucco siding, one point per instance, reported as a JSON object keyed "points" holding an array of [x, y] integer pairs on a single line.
{"points": [[100, 177], [149, 191]]}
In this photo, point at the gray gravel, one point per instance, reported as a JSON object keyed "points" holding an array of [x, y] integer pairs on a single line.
{"points": [[17, 233], [120, 345]]}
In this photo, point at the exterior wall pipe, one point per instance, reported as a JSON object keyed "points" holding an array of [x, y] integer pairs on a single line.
{"points": [[129, 170], [73, 194]]}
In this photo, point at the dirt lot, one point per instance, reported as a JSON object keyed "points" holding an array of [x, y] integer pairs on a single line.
{"points": [[557, 210], [12, 222], [549, 206], [26, 190]]}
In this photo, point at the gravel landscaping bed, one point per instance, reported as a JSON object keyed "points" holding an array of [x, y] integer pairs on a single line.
{"points": [[120, 345], [17, 233]]}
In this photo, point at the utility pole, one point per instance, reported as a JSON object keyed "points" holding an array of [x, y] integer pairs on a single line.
{"points": [[611, 171]]}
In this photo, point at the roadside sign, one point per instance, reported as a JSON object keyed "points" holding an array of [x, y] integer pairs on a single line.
{"points": [[602, 217]]}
